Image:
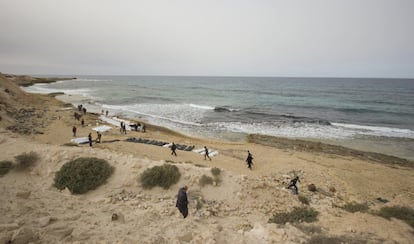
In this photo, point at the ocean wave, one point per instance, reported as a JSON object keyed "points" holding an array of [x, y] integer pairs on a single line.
{"points": [[225, 109], [39, 88], [177, 113], [286, 130], [378, 131], [201, 106]]}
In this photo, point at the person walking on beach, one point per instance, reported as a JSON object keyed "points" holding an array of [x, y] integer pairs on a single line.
{"points": [[293, 184], [98, 139], [90, 139], [106, 113], [122, 127], [182, 201], [206, 153], [173, 148], [249, 160], [83, 123], [74, 131]]}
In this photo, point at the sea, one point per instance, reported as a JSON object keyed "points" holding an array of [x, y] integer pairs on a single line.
{"points": [[370, 114]]}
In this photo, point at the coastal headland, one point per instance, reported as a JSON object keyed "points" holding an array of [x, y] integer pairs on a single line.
{"points": [[235, 209]]}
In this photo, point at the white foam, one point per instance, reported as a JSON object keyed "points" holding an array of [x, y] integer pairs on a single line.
{"points": [[378, 131], [177, 113], [201, 106]]}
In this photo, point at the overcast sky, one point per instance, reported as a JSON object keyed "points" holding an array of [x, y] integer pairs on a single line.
{"points": [[334, 38]]}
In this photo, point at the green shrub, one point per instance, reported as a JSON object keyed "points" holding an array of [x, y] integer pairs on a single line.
{"points": [[356, 207], [5, 166], [403, 213], [25, 160], [163, 176], [205, 180], [302, 214], [215, 171], [83, 174], [303, 199]]}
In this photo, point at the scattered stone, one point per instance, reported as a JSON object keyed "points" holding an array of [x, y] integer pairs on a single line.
{"points": [[312, 187], [23, 194], [6, 227], [119, 217], [187, 237], [23, 236], [332, 189], [44, 221]]}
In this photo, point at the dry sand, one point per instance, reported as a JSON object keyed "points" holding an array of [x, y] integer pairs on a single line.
{"points": [[236, 210]]}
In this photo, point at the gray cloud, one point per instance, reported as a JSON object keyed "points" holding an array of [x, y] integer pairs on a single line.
{"points": [[216, 37]]}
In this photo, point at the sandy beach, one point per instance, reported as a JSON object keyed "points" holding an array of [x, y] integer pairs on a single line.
{"points": [[235, 210]]}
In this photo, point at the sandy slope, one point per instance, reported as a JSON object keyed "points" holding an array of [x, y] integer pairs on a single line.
{"points": [[235, 211]]}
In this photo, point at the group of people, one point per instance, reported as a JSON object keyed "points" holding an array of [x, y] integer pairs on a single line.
{"points": [[174, 148], [182, 200]]}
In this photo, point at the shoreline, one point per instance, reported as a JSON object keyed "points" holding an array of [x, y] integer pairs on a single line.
{"points": [[344, 148]]}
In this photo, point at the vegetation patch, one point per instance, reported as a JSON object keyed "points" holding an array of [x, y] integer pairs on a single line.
{"points": [[5, 167], [215, 171], [297, 215], [26, 160], [205, 180], [163, 176], [356, 207], [303, 199], [83, 174], [403, 213]]}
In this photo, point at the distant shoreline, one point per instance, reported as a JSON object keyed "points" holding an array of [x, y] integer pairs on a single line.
{"points": [[25, 80]]}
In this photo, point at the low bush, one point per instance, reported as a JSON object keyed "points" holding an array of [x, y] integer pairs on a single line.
{"points": [[403, 213], [356, 207], [303, 199], [298, 214], [163, 176], [25, 160], [83, 174], [5, 167], [215, 171], [205, 180]]}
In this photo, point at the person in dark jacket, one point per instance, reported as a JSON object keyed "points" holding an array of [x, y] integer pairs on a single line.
{"points": [[249, 160], [206, 153], [173, 148], [74, 131], [292, 184], [182, 201], [90, 139]]}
